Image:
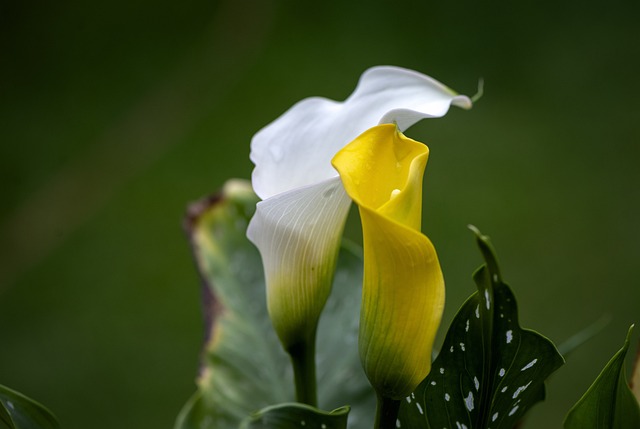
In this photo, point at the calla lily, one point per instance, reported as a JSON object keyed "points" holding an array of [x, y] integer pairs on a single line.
{"points": [[298, 225], [403, 287]]}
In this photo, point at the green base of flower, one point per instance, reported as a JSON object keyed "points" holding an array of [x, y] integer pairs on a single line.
{"points": [[386, 413], [304, 371]]}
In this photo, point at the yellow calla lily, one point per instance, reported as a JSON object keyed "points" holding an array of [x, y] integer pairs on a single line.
{"points": [[403, 286]]}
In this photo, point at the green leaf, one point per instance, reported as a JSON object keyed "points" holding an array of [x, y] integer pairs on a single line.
{"points": [[635, 377], [489, 371], [296, 416], [244, 368], [609, 403], [19, 412]]}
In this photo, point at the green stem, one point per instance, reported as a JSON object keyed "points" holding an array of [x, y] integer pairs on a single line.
{"points": [[303, 359], [386, 413]]}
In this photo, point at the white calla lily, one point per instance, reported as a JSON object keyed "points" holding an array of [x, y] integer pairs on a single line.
{"points": [[298, 233], [298, 225]]}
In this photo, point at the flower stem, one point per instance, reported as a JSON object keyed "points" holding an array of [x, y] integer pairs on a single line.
{"points": [[303, 359], [386, 413]]}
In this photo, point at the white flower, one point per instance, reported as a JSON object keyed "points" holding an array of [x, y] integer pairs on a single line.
{"points": [[298, 225]]}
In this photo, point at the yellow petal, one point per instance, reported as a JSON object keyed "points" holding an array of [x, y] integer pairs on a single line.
{"points": [[403, 287]]}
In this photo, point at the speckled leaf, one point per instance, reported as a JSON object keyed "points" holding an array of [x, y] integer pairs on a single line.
{"points": [[244, 368], [19, 412], [609, 403], [296, 416], [489, 371]]}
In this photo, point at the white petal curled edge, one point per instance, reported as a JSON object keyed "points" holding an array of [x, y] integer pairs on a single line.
{"points": [[296, 149], [298, 235]]}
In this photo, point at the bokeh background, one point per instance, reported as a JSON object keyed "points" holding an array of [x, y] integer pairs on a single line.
{"points": [[114, 115]]}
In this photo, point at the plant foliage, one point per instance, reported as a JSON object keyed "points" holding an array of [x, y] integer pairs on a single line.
{"points": [[490, 371], [244, 368], [609, 403], [19, 412]]}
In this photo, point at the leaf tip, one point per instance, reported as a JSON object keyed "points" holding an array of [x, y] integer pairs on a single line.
{"points": [[239, 191], [474, 229], [488, 254]]}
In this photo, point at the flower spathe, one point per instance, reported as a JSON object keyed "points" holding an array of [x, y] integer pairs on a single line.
{"points": [[298, 225], [403, 286], [298, 234]]}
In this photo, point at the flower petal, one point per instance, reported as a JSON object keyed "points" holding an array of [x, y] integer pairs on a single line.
{"points": [[298, 234], [296, 149], [403, 286]]}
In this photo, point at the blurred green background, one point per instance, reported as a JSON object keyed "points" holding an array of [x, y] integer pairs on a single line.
{"points": [[115, 115]]}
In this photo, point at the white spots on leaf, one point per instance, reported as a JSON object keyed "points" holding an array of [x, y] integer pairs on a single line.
{"points": [[447, 397], [394, 193], [419, 408], [495, 278], [303, 423], [504, 389], [441, 370], [461, 425], [478, 311], [466, 328], [413, 395], [487, 299], [529, 365], [509, 336], [408, 399], [398, 425], [10, 405], [502, 372], [462, 346], [433, 383], [520, 389], [501, 316], [468, 401], [477, 383], [513, 410], [494, 417], [451, 349], [323, 426]]}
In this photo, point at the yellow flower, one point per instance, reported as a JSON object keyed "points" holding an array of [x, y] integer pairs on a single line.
{"points": [[403, 287]]}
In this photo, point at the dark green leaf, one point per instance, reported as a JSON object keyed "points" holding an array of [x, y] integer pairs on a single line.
{"points": [[490, 371], [244, 368], [609, 403], [19, 412], [296, 416]]}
